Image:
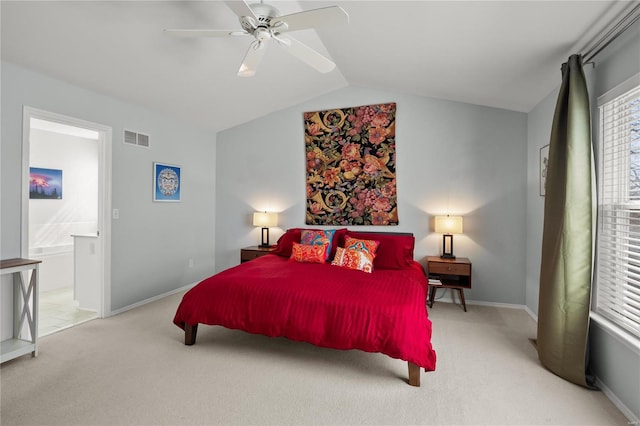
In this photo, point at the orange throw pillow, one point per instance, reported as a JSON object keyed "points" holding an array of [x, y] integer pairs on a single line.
{"points": [[353, 259], [313, 253], [369, 246]]}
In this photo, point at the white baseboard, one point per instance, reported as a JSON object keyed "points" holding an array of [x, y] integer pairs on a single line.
{"points": [[151, 299], [633, 419], [446, 297], [531, 313], [496, 304]]}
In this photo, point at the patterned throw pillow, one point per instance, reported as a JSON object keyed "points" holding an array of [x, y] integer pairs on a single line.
{"points": [[309, 253], [318, 237], [353, 259], [368, 246]]}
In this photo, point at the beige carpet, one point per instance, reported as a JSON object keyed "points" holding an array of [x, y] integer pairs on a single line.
{"points": [[134, 369]]}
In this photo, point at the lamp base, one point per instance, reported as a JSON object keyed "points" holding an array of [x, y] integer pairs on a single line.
{"points": [[447, 247], [265, 238]]}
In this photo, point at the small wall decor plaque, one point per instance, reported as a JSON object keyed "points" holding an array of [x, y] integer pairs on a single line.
{"points": [[166, 182], [544, 167]]}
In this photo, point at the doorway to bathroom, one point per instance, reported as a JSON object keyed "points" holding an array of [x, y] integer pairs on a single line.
{"points": [[66, 164]]}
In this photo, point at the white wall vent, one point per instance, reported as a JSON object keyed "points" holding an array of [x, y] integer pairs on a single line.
{"points": [[138, 139]]}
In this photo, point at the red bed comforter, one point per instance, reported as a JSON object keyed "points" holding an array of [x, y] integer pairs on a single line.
{"points": [[325, 305]]}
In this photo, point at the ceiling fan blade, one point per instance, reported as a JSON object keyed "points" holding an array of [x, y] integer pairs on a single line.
{"points": [[204, 33], [252, 59], [241, 8], [326, 16], [306, 54]]}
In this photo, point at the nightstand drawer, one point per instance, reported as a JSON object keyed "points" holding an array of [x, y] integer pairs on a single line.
{"points": [[250, 253], [247, 255], [438, 268]]}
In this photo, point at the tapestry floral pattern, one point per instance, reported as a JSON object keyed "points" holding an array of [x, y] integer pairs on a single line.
{"points": [[351, 166]]}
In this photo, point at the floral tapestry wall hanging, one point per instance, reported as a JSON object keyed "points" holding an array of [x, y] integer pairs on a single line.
{"points": [[351, 166]]}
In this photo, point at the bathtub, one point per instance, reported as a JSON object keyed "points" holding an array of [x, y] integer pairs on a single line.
{"points": [[56, 269]]}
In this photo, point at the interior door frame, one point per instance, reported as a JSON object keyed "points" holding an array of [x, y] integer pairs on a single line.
{"points": [[104, 192]]}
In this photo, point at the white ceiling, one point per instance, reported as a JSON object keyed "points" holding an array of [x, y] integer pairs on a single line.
{"points": [[505, 54]]}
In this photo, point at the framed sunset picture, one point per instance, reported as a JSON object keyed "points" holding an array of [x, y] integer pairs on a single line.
{"points": [[45, 184]]}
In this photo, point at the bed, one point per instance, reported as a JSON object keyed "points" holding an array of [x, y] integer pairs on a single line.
{"points": [[323, 302]]}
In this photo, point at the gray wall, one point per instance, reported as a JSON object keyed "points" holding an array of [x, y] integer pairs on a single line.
{"points": [[451, 157], [614, 361], [151, 242], [538, 133]]}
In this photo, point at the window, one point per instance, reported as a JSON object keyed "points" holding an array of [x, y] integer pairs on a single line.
{"points": [[617, 295]]}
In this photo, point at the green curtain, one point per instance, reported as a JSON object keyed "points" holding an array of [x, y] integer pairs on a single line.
{"points": [[565, 270]]}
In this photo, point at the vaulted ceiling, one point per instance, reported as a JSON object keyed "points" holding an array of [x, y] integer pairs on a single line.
{"points": [[504, 54]]}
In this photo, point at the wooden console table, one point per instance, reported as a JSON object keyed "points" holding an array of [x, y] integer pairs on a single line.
{"points": [[25, 307]]}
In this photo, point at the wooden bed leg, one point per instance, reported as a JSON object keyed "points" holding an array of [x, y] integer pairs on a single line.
{"points": [[190, 332], [414, 374]]}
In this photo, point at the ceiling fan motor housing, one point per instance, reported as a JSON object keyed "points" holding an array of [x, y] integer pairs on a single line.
{"points": [[263, 12]]}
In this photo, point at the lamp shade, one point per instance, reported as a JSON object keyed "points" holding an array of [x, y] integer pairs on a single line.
{"points": [[448, 224], [265, 219]]}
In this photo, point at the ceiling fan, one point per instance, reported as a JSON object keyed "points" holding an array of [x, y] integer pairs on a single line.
{"points": [[261, 21]]}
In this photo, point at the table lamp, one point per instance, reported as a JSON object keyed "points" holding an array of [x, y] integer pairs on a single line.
{"points": [[265, 220], [447, 226]]}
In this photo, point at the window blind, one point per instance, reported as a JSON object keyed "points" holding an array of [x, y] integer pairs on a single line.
{"points": [[618, 251]]}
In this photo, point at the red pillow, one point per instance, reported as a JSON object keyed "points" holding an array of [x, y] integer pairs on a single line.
{"points": [[394, 251], [285, 242]]}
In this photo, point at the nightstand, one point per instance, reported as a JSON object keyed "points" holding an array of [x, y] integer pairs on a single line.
{"points": [[452, 273], [254, 252]]}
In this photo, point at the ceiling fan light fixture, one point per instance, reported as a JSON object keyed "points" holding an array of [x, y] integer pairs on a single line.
{"points": [[245, 71], [261, 34], [252, 59]]}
